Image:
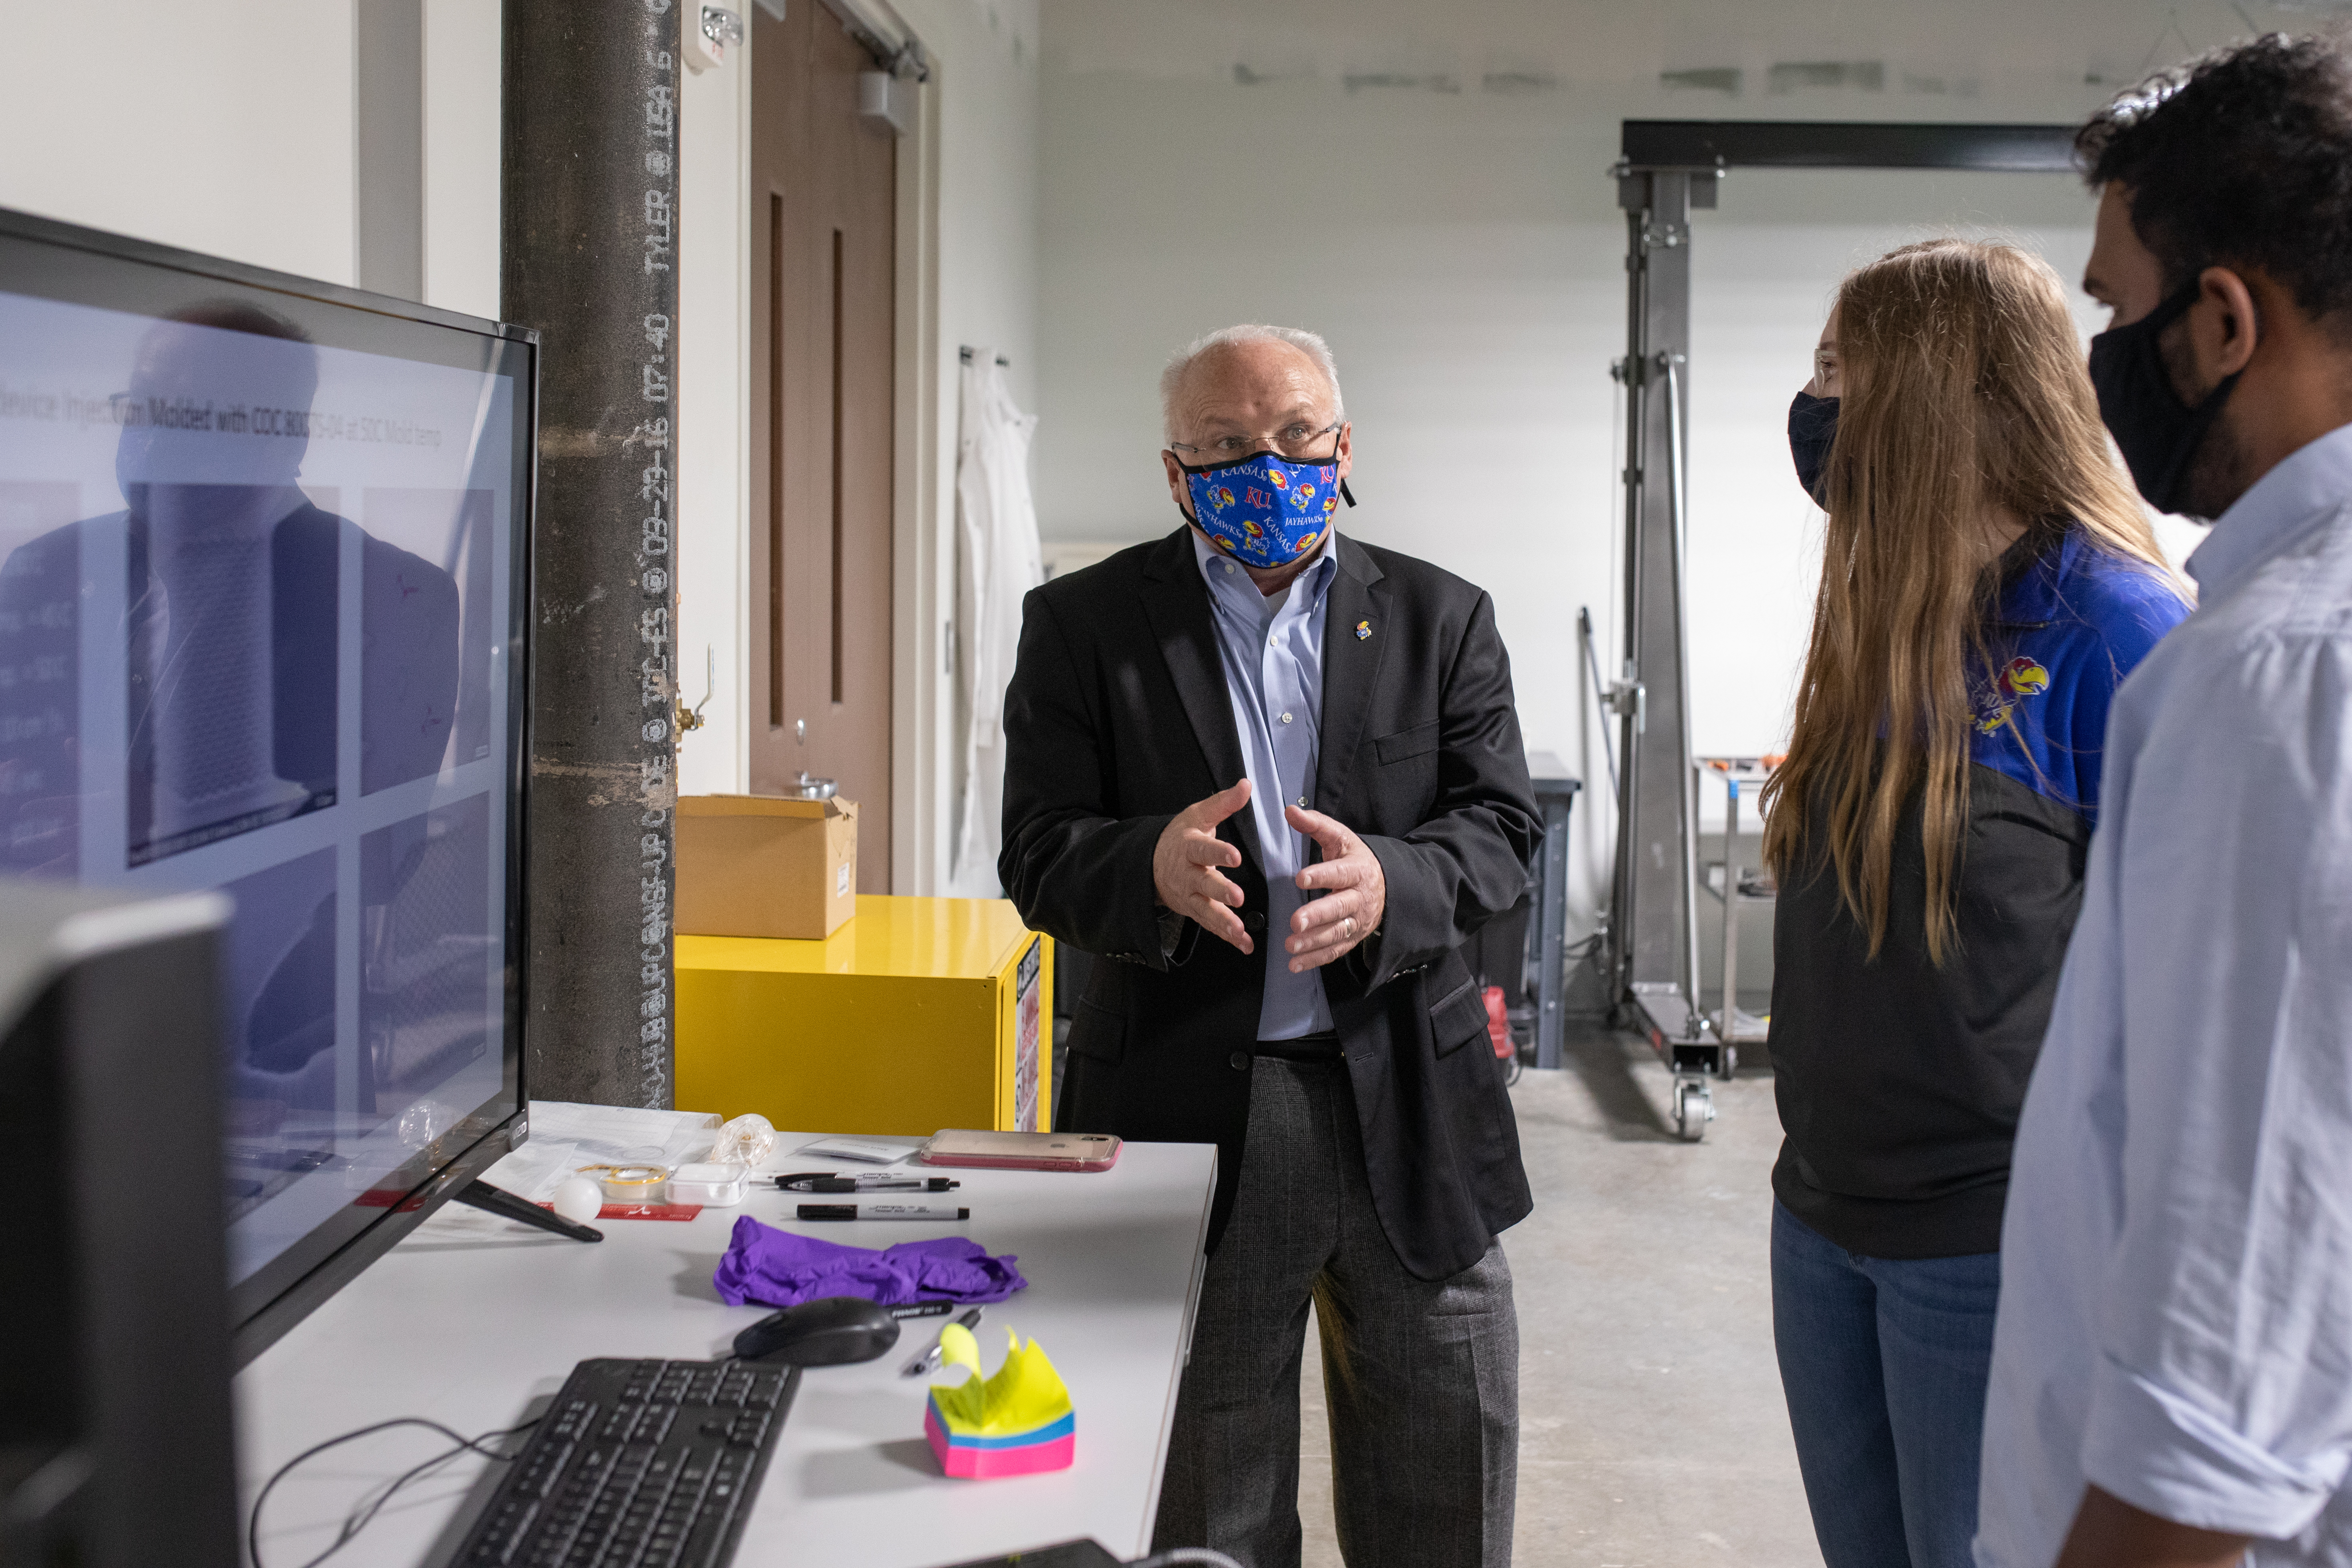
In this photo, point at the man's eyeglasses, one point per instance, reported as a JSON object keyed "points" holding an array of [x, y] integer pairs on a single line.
{"points": [[1297, 444]]}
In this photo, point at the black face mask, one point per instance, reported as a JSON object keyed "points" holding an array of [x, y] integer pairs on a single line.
{"points": [[2157, 432], [1813, 429]]}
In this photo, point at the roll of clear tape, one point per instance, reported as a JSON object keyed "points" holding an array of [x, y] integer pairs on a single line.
{"points": [[632, 1184]]}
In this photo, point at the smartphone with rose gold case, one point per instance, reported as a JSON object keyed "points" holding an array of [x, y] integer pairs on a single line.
{"points": [[1022, 1151]]}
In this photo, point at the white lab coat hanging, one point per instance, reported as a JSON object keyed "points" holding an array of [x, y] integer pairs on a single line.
{"points": [[998, 561]]}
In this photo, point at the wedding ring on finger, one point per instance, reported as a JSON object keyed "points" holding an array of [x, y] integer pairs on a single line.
{"points": [[1347, 925]]}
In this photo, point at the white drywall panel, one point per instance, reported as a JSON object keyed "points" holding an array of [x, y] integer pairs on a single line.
{"points": [[714, 425], [462, 126], [222, 129]]}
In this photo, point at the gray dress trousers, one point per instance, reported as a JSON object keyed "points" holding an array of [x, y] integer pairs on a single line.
{"points": [[1421, 1376]]}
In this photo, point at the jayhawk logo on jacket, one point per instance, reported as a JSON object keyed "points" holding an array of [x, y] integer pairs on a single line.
{"points": [[2019, 679]]}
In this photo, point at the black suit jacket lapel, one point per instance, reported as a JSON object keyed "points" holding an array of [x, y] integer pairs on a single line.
{"points": [[1176, 602], [1351, 668]]}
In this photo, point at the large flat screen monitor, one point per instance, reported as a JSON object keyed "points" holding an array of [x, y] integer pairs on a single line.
{"points": [[264, 575]]}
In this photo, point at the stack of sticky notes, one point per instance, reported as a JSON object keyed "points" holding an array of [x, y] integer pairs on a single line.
{"points": [[1015, 1423]]}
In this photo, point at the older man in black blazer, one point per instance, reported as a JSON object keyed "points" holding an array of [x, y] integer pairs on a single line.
{"points": [[1276, 795]]}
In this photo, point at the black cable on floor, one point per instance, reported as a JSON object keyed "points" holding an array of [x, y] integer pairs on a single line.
{"points": [[359, 1518]]}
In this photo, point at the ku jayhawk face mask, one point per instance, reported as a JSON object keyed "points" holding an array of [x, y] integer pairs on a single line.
{"points": [[1263, 510]]}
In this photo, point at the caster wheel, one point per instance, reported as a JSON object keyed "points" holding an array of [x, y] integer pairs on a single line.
{"points": [[1693, 1109]]}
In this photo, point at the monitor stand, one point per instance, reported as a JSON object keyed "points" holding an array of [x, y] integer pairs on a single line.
{"points": [[507, 1205]]}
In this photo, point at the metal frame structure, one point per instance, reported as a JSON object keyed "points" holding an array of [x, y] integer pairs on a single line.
{"points": [[1667, 169]]}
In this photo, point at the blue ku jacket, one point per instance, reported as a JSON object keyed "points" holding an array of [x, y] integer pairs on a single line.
{"points": [[1899, 1081]]}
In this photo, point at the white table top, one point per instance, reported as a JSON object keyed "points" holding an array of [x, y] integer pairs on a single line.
{"points": [[475, 1321]]}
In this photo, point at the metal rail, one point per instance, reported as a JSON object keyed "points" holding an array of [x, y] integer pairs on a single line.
{"points": [[1678, 491], [1669, 168]]}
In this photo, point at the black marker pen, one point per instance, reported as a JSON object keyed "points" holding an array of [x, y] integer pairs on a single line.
{"points": [[867, 1181], [882, 1211]]}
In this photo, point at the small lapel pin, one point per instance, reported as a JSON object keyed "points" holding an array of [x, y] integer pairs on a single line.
{"points": [[1363, 629]]}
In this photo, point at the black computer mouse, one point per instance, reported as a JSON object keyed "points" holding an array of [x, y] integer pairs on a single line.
{"points": [[832, 1330]]}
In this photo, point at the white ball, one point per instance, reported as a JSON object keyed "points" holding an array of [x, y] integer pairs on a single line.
{"points": [[578, 1201]]}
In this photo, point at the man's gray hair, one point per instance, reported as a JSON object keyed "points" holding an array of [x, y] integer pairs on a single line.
{"points": [[1311, 344]]}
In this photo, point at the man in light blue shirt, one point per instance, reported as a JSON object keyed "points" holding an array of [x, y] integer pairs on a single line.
{"points": [[2172, 1368], [1271, 776], [1273, 649]]}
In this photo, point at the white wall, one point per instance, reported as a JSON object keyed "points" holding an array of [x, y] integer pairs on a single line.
{"points": [[1426, 187], [986, 98], [714, 497], [229, 134], [227, 129], [986, 89], [462, 126]]}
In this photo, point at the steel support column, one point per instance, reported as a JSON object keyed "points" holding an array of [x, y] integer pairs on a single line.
{"points": [[1652, 906], [1654, 917], [588, 257]]}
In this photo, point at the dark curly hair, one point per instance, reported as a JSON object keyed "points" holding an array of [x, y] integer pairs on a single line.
{"points": [[2240, 158]]}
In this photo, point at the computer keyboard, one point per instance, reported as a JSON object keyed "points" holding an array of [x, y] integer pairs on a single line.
{"points": [[637, 1464]]}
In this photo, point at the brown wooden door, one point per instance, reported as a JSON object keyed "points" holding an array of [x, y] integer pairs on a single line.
{"points": [[824, 261]]}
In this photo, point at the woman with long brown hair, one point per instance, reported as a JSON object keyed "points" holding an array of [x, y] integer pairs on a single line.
{"points": [[1988, 578]]}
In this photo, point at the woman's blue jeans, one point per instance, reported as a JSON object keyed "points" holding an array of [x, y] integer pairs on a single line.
{"points": [[1883, 1362]]}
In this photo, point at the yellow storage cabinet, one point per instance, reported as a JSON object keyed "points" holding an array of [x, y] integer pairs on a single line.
{"points": [[917, 1014]]}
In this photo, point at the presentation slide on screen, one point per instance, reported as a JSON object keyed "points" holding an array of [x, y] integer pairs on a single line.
{"points": [[254, 621]]}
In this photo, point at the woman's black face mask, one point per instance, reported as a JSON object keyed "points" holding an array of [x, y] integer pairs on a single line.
{"points": [[1813, 429], [2157, 432]]}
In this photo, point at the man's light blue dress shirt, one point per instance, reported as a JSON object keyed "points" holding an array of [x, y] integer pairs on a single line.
{"points": [[1272, 655], [2176, 1313]]}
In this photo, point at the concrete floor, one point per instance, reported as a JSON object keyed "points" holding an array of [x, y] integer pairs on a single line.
{"points": [[1652, 1431]]}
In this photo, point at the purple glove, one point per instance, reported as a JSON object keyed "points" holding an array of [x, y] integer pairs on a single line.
{"points": [[781, 1270]]}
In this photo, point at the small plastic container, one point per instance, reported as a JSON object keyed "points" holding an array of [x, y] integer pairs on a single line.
{"points": [[712, 1185]]}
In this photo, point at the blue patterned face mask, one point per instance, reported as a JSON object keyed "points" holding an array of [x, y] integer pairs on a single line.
{"points": [[1264, 511]]}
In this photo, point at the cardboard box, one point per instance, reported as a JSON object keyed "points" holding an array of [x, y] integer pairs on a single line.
{"points": [[753, 865]]}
